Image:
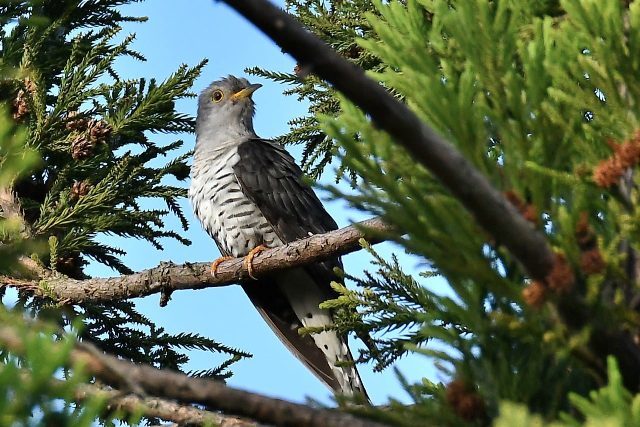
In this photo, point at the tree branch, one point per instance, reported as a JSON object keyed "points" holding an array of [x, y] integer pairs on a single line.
{"points": [[492, 211], [168, 277], [166, 410], [173, 385]]}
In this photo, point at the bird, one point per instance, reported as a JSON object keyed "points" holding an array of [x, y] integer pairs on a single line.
{"points": [[249, 194]]}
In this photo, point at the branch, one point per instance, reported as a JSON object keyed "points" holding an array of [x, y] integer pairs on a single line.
{"points": [[492, 211], [177, 386], [132, 404], [168, 277], [166, 410]]}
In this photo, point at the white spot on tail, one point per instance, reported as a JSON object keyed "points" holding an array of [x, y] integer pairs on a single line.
{"points": [[305, 301]]}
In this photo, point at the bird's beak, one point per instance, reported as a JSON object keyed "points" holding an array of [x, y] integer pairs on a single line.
{"points": [[246, 92]]}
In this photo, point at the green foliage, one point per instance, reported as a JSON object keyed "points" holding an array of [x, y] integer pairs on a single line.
{"points": [[542, 98], [340, 24], [391, 307], [100, 167], [91, 128], [512, 414], [15, 161], [29, 391], [611, 406]]}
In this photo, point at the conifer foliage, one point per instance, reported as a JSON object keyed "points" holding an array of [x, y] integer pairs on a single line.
{"points": [[542, 98], [94, 134], [340, 24], [89, 127]]}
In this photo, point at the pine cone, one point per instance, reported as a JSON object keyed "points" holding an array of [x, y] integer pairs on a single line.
{"points": [[98, 130], [535, 294], [302, 72], [79, 189], [81, 147], [591, 261], [20, 105], [353, 52], [75, 123], [71, 265], [465, 401], [561, 278]]}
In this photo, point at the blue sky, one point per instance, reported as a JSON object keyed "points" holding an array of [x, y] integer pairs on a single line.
{"points": [[187, 32]]}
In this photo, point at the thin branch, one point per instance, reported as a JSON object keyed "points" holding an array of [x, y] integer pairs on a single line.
{"points": [[168, 277], [182, 388], [131, 404], [166, 410], [492, 211]]}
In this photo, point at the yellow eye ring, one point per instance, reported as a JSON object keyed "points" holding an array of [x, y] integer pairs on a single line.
{"points": [[217, 95]]}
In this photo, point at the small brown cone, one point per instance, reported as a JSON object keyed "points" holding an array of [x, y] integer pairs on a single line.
{"points": [[79, 189], [81, 147], [535, 294], [584, 234], [591, 261], [625, 155], [527, 210], [561, 278], [75, 123], [465, 401], [98, 130], [29, 85]]}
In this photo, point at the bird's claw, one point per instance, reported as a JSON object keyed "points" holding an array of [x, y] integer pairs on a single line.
{"points": [[248, 260], [216, 263]]}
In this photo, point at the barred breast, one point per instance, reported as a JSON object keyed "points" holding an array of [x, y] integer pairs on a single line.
{"points": [[234, 221]]}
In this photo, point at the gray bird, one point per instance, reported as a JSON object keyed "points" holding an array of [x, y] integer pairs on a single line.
{"points": [[249, 194]]}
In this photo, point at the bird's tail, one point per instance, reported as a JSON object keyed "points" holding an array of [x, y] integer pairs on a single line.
{"points": [[287, 305], [346, 372]]}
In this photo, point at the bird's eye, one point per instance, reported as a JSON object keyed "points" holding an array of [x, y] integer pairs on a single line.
{"points": [[217, 95]]}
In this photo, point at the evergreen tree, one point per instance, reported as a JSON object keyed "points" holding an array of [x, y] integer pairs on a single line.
{"points": [[93, 132], [540, 96]]}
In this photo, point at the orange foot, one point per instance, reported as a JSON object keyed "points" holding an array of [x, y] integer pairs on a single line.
{"points": [[216, 263], [248, 260]]}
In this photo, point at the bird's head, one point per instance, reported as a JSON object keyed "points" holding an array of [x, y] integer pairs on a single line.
{"points": [[225, 111]]}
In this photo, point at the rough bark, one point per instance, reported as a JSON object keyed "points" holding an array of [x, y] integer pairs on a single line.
{"points": [[166, 410], [169, 277]]}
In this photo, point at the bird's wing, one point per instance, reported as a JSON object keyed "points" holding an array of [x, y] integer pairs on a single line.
{"points": [[270, 178]]}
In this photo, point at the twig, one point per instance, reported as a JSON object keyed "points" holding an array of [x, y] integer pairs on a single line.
{"points": [[173, 385], [168, 277], [492, 211]]}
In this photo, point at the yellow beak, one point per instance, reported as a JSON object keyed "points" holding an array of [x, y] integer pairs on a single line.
{"points": [[246, 92]]}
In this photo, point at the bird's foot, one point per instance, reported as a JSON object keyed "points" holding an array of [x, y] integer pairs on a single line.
{"points": [[248, 260], [216, 263]]}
